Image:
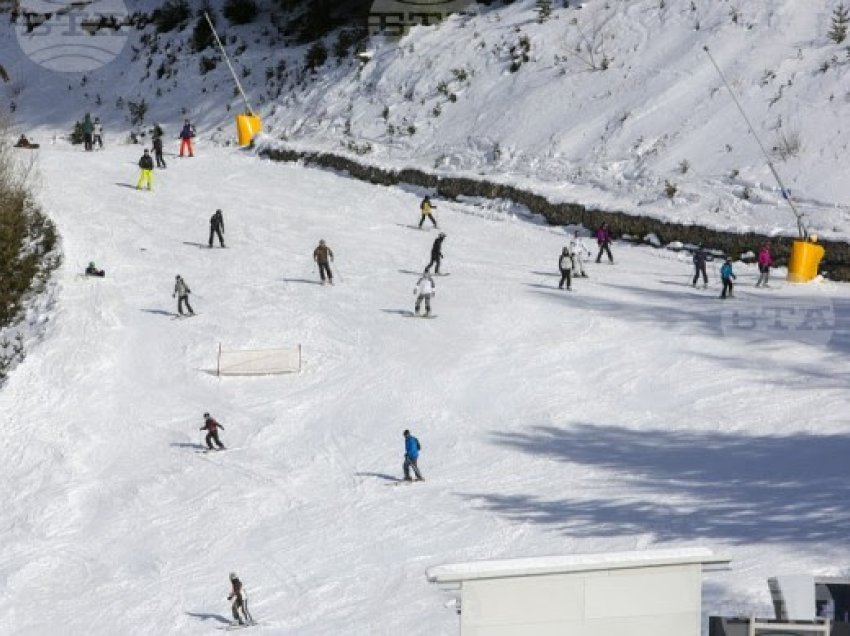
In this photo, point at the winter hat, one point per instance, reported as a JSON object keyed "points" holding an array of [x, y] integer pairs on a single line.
{"points": [[91, 264], [206, 415], [233, 576], [442, 235], [406, 433]]}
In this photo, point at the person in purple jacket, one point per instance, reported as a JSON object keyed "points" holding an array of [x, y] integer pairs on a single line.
{"points": [[765, 261], [603, 239]]}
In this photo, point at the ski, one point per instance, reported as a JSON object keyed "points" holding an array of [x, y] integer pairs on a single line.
{"points": [[179, 316], [413, 315]]}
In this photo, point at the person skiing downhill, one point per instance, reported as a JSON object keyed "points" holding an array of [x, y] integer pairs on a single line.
{"points": [[211, 426], [238, 601], [217, 227], [437, 253], [157, 152], [424, 291], [603, 239], [182, 291], [186, 134], [579, 250], [146, 164], [726, 277], [411, 457], [765, 261], [699, 259], [565, 264], [426, 209], [323, 255]]}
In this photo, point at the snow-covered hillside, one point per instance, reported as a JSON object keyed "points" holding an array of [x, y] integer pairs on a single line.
{"points": [[654, 133], [632, 412]]}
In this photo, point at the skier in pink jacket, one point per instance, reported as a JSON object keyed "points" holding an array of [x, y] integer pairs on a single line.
{"points": [[765, 261]]}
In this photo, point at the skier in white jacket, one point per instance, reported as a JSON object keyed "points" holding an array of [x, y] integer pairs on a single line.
{"points": [[565, 264], [424, 290], [579, 251]]}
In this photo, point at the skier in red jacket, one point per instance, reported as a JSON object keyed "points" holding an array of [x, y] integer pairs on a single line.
{"points": [[211, 426]]}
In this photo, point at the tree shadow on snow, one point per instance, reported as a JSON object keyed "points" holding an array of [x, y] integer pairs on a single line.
{"points": [[687, 484], [206, 617]]}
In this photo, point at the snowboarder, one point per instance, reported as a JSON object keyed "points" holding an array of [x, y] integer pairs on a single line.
{"points": [[699, 259], [323, 255], [238, 602], [91, 270], [437, 253], [186, 134], [217, 227], [211, 427], [425, 208], [603, 239], [565, 264], [579, 250], [157, 152], [88, 130], [411, 457], [765, 261], [727, 276], [424, 290], [97, 133], [23, 142], [182, 291], [146, 164]]}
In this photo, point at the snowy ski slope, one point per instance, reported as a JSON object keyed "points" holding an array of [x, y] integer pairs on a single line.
{"points": [[633, 412]]}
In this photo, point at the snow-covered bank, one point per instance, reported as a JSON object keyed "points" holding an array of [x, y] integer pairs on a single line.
{"points": [[632, 412]]}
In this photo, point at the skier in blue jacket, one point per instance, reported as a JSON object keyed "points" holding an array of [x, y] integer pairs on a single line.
{"points": [[411, 456], [727, 276]]}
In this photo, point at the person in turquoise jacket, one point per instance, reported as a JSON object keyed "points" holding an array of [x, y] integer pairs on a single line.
{"points": [[727, 276], [411, 456]]}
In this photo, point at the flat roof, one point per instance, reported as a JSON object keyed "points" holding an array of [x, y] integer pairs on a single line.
{"points": [[532, 566]]}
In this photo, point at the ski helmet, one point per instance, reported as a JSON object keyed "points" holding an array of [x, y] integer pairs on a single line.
{"points": [[442, 235], [233, 576], [406, 433], [206, 415]]}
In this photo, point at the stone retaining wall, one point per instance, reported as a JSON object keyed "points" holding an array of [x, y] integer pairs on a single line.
{"points": [[836, 264]]}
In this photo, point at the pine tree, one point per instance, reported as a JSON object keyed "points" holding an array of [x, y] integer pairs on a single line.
{"points": [[544, 10], [840, 22]]}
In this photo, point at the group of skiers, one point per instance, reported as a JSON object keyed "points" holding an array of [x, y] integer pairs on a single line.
{"points": [[146, 162], [727, 275], [92, 132]]}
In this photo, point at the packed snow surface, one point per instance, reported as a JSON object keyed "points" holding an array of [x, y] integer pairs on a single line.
{"points": [[633, 412]]}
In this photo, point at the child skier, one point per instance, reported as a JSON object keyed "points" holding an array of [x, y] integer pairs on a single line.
{"points": [[238, 602], [146, 164], [727, 276], [578, 249], [426, 209], [565, 264], [182, 291], [217, 227], [437, 253], [211, 427], [186, 134], [424, 291], [323, 255], [411, 457]]}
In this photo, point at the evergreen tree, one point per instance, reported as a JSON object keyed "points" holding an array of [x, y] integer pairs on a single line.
{"points": [[840, 22]]}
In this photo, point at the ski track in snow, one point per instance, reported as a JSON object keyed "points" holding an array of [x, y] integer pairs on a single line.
{"points": [[622, 415]]}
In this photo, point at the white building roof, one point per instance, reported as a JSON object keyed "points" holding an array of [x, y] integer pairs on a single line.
{"points": [[456, 572]]}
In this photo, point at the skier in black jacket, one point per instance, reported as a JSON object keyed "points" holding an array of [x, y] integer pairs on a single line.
{"points": [[217, 227], [157, 152], [146, 164], [699, 266], [436, 253]]}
